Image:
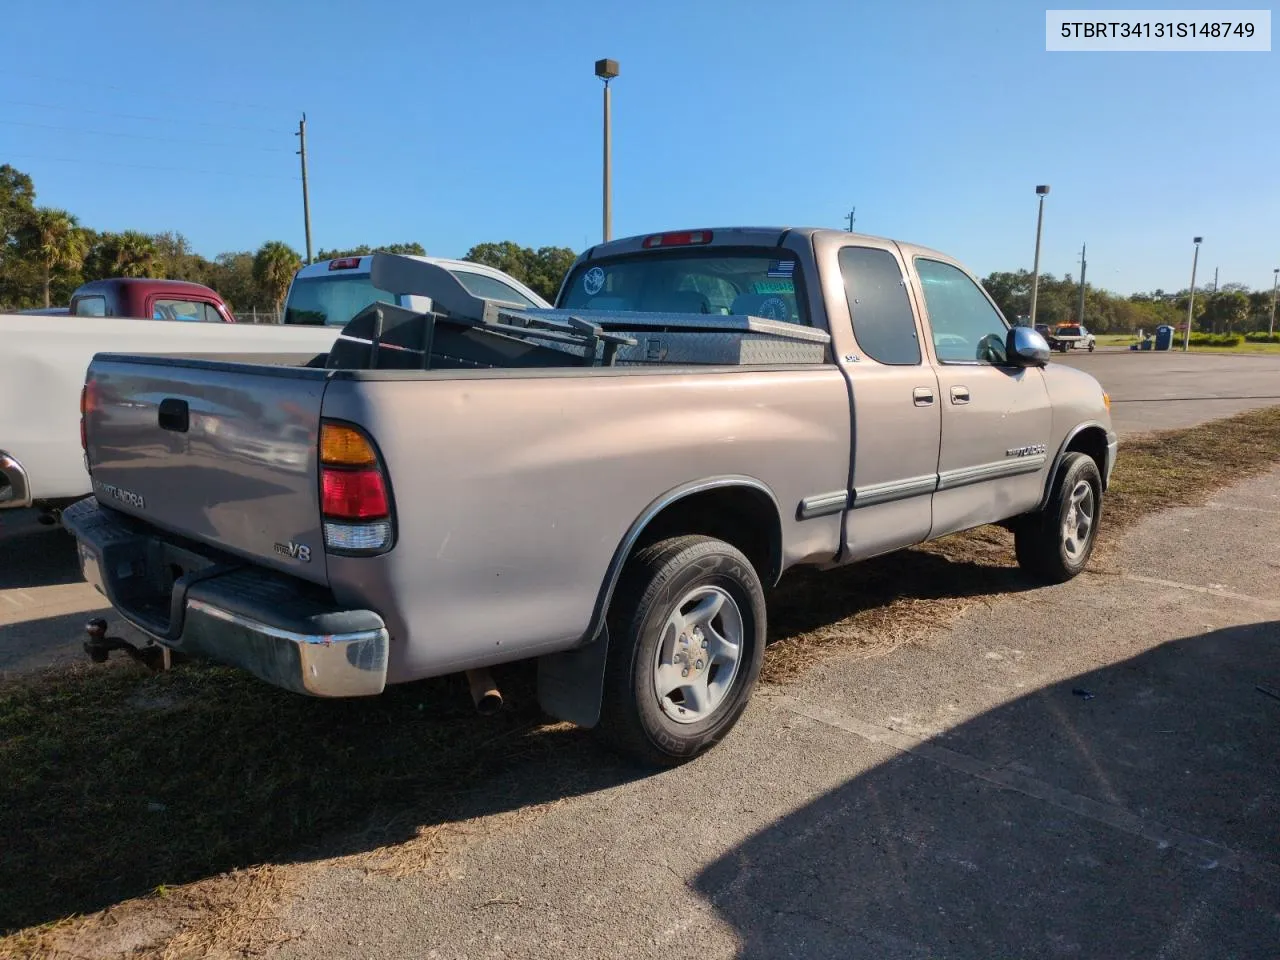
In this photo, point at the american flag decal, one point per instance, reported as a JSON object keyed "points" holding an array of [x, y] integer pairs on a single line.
{"points": [[781, 268]]}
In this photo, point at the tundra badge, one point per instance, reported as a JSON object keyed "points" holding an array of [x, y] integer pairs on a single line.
{"points": [[298, 551], [1028, 451]]}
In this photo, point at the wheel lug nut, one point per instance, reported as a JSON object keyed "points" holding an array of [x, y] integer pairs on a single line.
{"points": [[684, 672], [699, 664]]}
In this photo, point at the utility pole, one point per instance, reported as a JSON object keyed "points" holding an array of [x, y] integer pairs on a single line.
{"points": [[1041, 192], [849, 216], [306, 199], [607, 70], [1191, 301], [1080, 310], [1215, 279], [1271, 327]]}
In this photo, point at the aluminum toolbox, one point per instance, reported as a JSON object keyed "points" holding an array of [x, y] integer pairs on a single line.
{"points": [[688, 338]]}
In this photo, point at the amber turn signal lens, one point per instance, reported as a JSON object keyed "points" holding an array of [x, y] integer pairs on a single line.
{"points": [[1106, 398], [342, 446]]}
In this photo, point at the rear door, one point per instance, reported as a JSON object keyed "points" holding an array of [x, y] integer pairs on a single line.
{"points": [[225, 454], [895, 406], [996, 418]]}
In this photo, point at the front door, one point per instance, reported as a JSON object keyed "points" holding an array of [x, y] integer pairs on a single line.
{"points": [[896, 418], [996, 418]]}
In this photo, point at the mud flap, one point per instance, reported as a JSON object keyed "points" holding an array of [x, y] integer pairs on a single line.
{"points": [[571, 683]]}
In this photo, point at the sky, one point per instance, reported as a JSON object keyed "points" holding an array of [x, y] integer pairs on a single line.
{"points": [[454, 124]]}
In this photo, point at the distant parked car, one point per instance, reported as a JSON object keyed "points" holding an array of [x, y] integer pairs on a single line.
{"points": [[147, 299]]}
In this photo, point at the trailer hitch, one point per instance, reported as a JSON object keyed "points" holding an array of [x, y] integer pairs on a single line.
{"points": [[98, 645]]}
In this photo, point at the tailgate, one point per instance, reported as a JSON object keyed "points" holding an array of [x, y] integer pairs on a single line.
{"points": [[221, 453]]}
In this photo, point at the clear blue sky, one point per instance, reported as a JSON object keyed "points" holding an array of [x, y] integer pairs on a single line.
{"points": [[452, 124]]}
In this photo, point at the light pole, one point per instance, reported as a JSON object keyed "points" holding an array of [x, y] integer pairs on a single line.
{"points": [[606, 70], [1271, 326], [1191, 301], [1042, 191]]}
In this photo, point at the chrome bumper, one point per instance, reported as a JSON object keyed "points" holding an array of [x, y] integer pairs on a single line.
{"points": [[15, 487], [271, 626]]}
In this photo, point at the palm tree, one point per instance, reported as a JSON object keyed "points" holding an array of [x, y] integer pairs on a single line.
{"points": [[274, 265], [135, 255], [59, 243]]}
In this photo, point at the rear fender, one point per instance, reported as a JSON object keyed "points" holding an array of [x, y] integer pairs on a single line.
{"points": [[571, 683]]}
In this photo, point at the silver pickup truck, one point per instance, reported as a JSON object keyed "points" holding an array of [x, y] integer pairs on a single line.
{"points": [[608, 487]]}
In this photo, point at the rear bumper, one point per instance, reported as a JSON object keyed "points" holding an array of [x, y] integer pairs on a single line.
{"points": [[15, 486], [281, 630]]}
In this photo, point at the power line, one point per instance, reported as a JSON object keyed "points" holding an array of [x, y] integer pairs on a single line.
{"points": [[139, 136], [140, 166], [148, 119], [185, 98]]}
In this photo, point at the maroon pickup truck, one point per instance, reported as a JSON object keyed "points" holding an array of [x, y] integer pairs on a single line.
{"points": [[150, 299]]}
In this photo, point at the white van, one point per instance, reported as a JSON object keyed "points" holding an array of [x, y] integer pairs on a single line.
{"points": [[331, 292]]}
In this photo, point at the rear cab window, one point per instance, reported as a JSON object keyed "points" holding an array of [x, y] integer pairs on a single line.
{"points": [[331, 300], [879, 306], [760, 282]]}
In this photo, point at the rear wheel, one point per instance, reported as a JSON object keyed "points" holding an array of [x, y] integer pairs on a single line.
{"points": [[1054, 544], [686, 640]]}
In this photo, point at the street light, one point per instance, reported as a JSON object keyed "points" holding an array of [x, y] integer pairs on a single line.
{"points": [[606, 70], [1041, 190], [1271, 327], [1191, 301]]}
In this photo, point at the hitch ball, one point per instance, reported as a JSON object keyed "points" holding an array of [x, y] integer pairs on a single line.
{"points": [[96, 646]]}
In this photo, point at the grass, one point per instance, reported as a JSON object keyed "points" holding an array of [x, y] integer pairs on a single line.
{"points": [[173, 790]]}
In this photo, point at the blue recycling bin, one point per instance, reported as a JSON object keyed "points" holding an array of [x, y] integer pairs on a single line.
{"points": [[1164, 337]]}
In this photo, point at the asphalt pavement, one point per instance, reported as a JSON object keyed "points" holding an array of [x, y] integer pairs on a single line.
{"points": [[1171, 389]]}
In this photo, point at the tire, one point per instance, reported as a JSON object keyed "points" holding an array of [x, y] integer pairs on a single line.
{"points": [[691, 574], [1041, 539], [1091, 346]]}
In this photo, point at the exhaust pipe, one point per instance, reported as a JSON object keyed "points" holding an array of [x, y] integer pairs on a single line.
{"points": [[485, 693]]}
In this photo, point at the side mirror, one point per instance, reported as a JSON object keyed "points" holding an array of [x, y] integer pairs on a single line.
{"points": [[1025, 347]]}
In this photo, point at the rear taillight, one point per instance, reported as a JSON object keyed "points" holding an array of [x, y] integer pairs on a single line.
{"points": [[344, 263], [682, 238], [88, 403], [355, 502]]}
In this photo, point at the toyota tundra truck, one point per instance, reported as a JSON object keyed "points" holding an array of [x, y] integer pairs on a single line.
{"points": [[609, 487]]}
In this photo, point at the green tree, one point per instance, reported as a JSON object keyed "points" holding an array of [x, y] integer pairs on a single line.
{"points": [[175, 259], [17, 205], [1225, 310], [231, 274], [412, 249], [542, 269], [55, 242], [127, 254], [274, 265]]}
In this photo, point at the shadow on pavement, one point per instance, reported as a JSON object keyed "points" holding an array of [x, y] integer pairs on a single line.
{"points": [[32, 555], [925, 856]]}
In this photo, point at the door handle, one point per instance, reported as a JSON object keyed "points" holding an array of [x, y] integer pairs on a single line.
{"points": [[959, 394], [923, 396], [174, 415]]}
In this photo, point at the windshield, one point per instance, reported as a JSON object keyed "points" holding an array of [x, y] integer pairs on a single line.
{"points": [[331, 301], [760, 284]]}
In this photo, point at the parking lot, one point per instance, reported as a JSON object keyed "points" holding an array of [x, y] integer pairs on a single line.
{"points": [[1087, 770]]}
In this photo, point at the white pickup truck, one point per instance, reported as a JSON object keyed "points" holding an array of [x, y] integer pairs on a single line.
{"points": [[42, 368]]}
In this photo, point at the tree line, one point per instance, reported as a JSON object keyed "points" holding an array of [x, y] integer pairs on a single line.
{"points": [[45, 253]]}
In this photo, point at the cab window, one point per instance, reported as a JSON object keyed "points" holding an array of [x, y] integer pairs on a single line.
{"points": [[879, 306], [966, 327], [90, 307]]}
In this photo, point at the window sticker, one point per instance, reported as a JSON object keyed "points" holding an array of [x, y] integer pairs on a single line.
{"points": [[773, 286], [781, 268], [593, 281]]}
